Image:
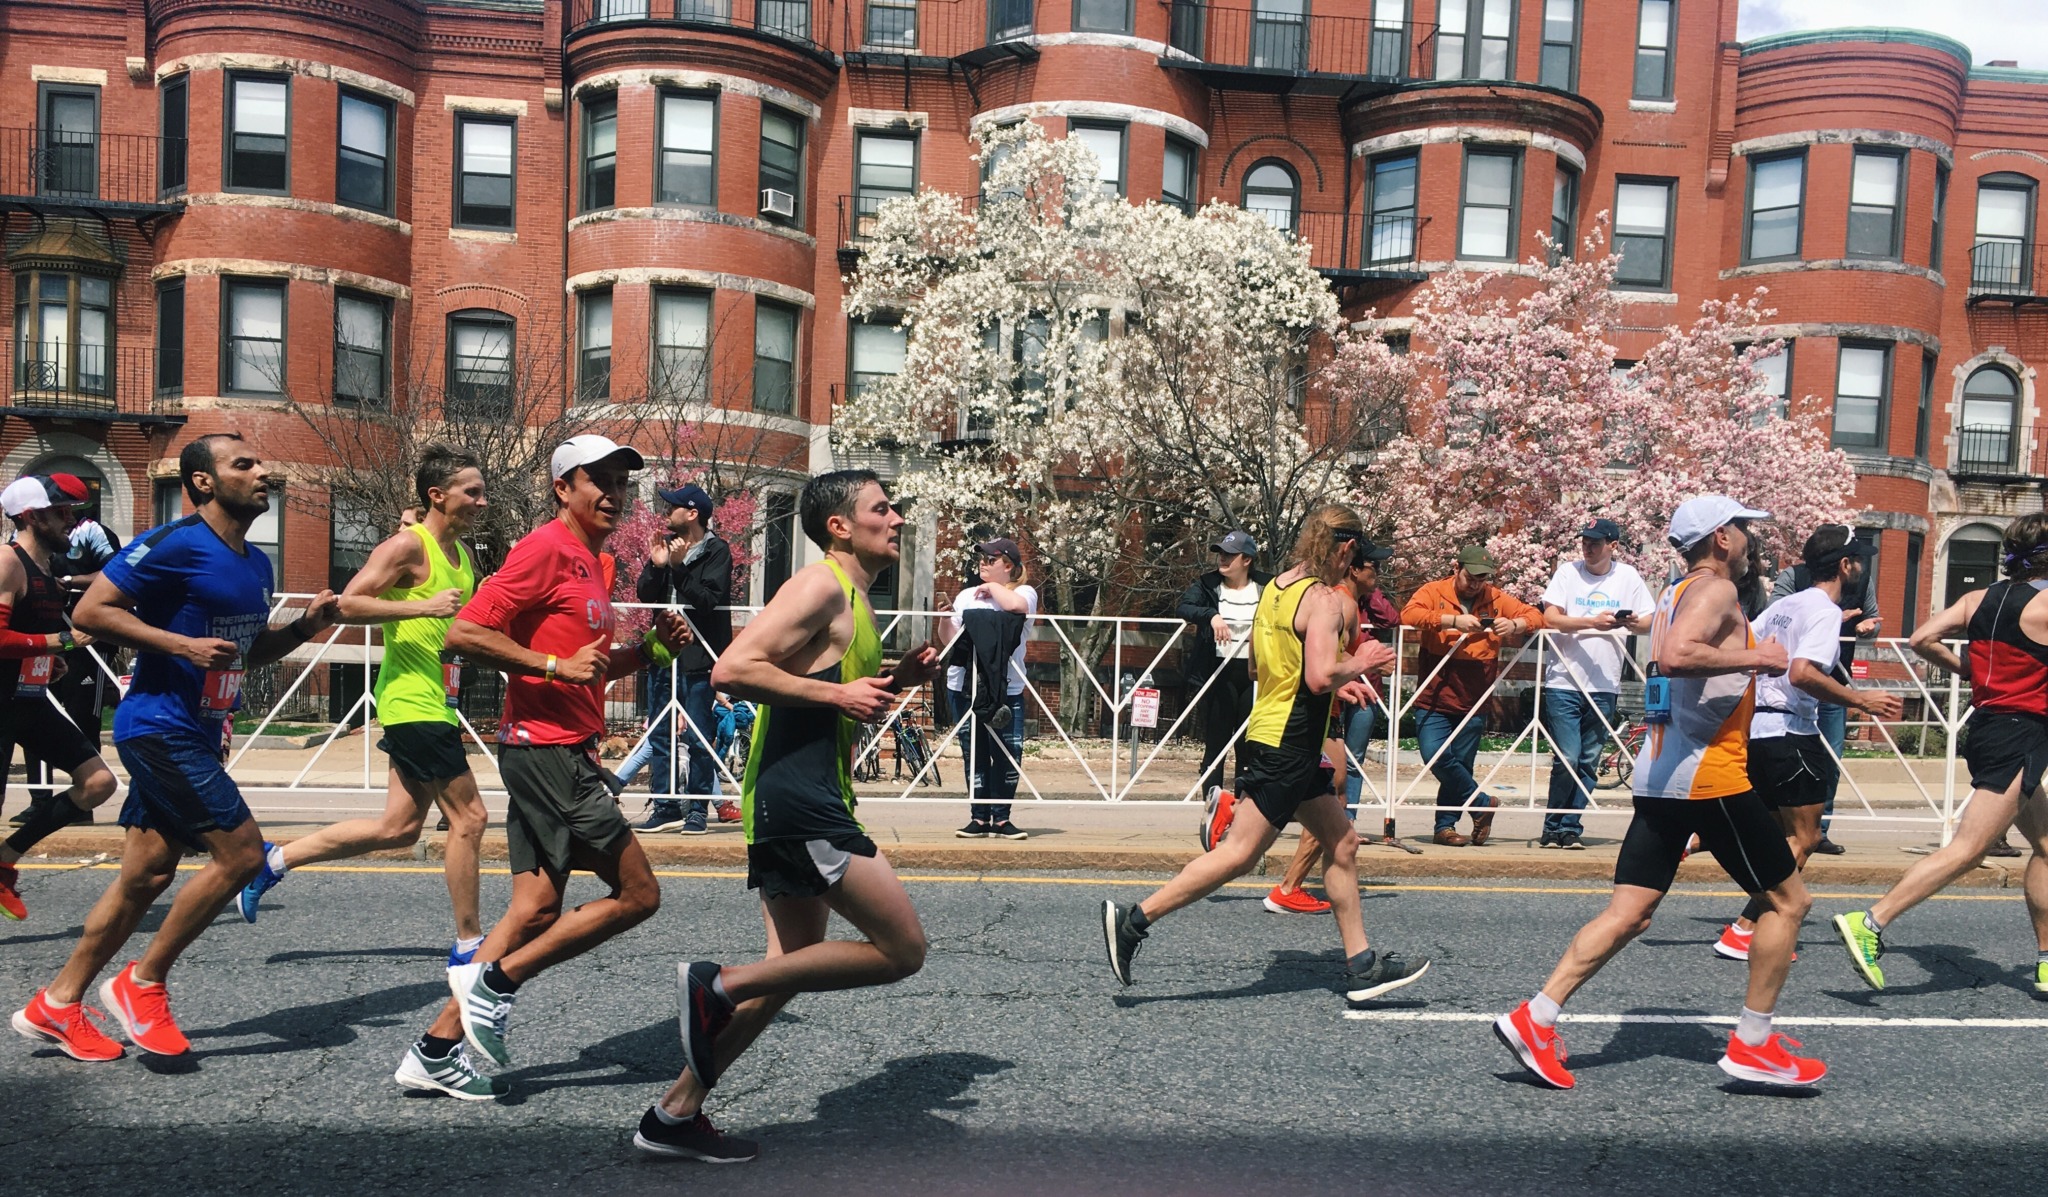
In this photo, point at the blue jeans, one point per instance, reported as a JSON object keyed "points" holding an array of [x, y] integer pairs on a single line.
{"points": [[1359, 723], [1834, 728], [695, 698], [1453, 769], [635, 761], [1578, 737], [992, 783]]}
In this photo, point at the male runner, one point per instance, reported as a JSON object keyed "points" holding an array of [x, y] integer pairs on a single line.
{"points": [[192, 598], [1692, 779], [2006, 745], [1298, 635], [413, 584], [810, 658], [33, 630], [1789, 764], [545, 620]]}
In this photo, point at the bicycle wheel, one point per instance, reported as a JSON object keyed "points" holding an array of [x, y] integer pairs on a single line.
{"points": [[916, 752], [867, 759]]}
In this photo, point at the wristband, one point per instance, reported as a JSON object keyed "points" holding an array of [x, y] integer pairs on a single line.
{"points": [[894, 685], [654, 650], [549, 671], [299, 631]]}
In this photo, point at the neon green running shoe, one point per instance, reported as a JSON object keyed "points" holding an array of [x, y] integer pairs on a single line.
{"points": [[1864, 946], [2041, 978]]}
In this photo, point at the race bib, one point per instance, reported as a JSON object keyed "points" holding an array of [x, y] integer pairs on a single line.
{"points": [[451, 679], [218, 692], [35, 675]]}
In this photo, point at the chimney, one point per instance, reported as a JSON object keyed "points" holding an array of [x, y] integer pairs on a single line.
{"points": [[2003, 62]]}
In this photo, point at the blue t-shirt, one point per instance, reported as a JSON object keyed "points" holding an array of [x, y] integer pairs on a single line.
{"points": [[185, 579]]}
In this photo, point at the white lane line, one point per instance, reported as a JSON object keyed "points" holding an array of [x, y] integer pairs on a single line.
{"points": [[1705, 1019]]}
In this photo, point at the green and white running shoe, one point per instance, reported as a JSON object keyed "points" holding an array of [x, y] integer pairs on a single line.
{"points": [[2041, 978], [453, 1075], [484, 1011], [1864, 946]]}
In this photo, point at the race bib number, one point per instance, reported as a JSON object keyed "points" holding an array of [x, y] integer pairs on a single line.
{"points": [[35, 675], [217, 694], [451, 679]]}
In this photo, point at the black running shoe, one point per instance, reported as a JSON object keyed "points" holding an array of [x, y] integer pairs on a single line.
{"points": [[1383, 974], [692, 1139], [705, 1014], [1121, 938]]}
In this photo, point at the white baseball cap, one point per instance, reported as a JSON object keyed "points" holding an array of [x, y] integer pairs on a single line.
{"points": [[33, 492], [588, 450], [1700, 517]]}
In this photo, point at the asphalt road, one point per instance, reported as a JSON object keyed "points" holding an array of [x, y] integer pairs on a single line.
{"points": [[1014, 1064]]}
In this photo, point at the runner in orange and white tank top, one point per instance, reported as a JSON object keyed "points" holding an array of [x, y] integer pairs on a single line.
{"points": [[1701, 750]]}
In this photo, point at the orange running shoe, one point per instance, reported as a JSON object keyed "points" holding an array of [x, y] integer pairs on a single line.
{"points": [[1298, 902], [144, 1011], [1219, 809], [1771, 1064], [71, 1030], [1536, 1046], [1733, 944], [10, 900]]}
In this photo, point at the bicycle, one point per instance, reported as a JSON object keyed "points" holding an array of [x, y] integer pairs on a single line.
{"points": [[912, 744], [1617, 767]]}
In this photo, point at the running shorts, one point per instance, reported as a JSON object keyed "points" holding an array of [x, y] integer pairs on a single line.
{"points": [[1278, 781], [1791, 770], [37, 724], [179, 788], [1737, 829], [557, 802], [2001, 745], [425, 751], [803, 868]]}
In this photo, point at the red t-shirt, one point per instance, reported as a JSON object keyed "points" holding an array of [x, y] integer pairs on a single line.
{"points": [[552, 596]]}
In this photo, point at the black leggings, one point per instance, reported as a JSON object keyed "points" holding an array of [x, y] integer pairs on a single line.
{"points": [[1224, 710]]}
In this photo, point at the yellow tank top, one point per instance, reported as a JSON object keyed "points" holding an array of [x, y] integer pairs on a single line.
{"points": [[415, 685], [1285, 714]]}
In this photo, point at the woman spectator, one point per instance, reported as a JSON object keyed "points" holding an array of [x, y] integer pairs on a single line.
{"points": [[997, 744]]}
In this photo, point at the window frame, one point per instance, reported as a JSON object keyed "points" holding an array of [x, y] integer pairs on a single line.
{"points": [[861, 139], [1514, 204], [1916, 557], [229, 286], [658, 371], [338, 548], [174, 285], [383, 306], [587, 389], [1565, 247], [1186, 203], [1571, 83], [1126, 29], [1938, 233], [853, 323], [1244, 191], [662, 151], [2014, 401], [597, 108], [179, 88], [1669, 234], [1879, 441], [1122, 129], [1669, 49], [796, 328], [160, 512], [1472, 45], [343, 95], [463, 120], [1373, 212], [778, 540], [1930, 366], [1783, 408], [71, 377], [274, 550], [452, 387], [44, 127], [227, 126], [1895, 243], [1749, 208], [2027, 186], [803, 138]]}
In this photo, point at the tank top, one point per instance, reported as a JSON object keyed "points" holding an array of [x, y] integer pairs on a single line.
{"points": [[2008, 668], [39, 613], [799, 779], [1285, 714], [419, 682], [1703, 752]]}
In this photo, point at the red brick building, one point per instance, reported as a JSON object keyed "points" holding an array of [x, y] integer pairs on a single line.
{"points": [[210, 204]]}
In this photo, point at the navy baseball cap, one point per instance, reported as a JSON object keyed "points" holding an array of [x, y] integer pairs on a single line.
{"points": [[690, 495], [1238, 541], [1601, 529]]}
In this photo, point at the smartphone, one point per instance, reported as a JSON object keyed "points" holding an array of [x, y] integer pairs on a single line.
{"points": [[1624, 615]]}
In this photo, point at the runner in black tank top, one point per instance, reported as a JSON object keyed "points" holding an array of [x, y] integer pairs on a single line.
{"points": [[2005, 741]]}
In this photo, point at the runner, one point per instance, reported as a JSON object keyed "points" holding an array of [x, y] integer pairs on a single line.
{"points": [[413, 584], [545, 620], [1692, 779], [1298, 636], [811, 659], [2006, 746], [33, 630], [192, 598], [1789, 764]]}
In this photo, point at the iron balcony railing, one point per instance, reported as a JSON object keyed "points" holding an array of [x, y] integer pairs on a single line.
{"points": [[65, 378], [946, 29], [1261, 39], [1342, 241], [789, 20], [1998, 451], [62, 168], [2006, 270]]}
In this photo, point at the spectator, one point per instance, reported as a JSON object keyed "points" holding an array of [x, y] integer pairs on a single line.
{"points": [[1588, 600], [1218, 607], [997, 743], [1378, 617], [1464, 618], [690, 568], [1860, 620]]}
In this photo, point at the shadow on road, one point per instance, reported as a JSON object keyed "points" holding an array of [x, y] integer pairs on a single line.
{"points": [[906, 1097], [1291, 971], [1949, 969], [325, 1024], [650, 1055], [1646, 1040]]}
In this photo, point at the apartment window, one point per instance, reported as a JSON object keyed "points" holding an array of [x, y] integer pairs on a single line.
{"points": [[1935, 237], [254, 341], [2001, 258], [166, 501], [1108, 143], [594, 348], [876, 351], [1564, 213], [774, 358], [68, 140], [267, 533], [689, 151], [1390, 211], [170, 337], [1560, 66], [484, 186], [1177, 182], [1391, 40], [1985, 437], [1874, 193], [1102, 16], [1642, 234], [259, 134], [892, 24], [362, 355], [1777, 372], [1863, 380], [1272, 191], [778, 524], [64, 330], [174, 123], [1475, 39], [682, 346], [1909, 615], [884, 168], [1487, 217], [1777, 193], [1279, 35], [362, 171], [1654, 31], [1923, 417], [479, 383], [600, 152], [352, 535], [782, 161], [790, 18]]}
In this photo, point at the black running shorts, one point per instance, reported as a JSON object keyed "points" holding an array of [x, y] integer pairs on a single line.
{"points": [[803, 868], [426, 751], [36, 723], [1791, 771], [1738, 830], [1279, 780], [556, 802], [2001, 745]]}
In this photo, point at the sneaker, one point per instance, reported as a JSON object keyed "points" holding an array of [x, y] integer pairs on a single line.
{"points": [[1299, 902], [11, 904], [1551, 841], [975, 830], [453, 1074], [1219, 807], [1828, 847], [1733, 944], [144, 1012], [2041, 978], [2001, 848], [694, 1138], [263, 882], [73, 1030], [1537, 1047], [1007, 830], [694, 824], [663, 816], [1771, 1064], [1864, 946], [1385, 973], [729, 812], [1571, 841], [457, 956], [484, 1011], [705, 1014], [1120, 938]]}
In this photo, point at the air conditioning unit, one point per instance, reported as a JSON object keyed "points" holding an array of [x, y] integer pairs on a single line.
{"points": [[777, 203]]}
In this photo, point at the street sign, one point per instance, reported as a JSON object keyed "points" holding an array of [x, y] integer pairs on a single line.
{"points": [[1859, 670], [1145, 707]]}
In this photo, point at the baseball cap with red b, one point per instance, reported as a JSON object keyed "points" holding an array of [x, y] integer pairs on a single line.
{"points": [[33, 492]]}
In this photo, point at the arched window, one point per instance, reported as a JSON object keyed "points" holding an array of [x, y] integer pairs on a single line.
{"points": [[2001, 256], [1990, 407], [1272, 191], [64, 335]]}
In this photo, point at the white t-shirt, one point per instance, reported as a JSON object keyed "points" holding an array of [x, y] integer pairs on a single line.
{"points": [[1237, 605], [966, 600], [1593, 659], [1809, 625]]}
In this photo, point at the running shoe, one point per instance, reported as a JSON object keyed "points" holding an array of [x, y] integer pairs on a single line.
{"points": [[263, 882], [729, 812], [1299, 902], [705, 1014], [11, 904], [1733, 944], [1771, 1064], [1219, 807], [975, 830], [484, 1011], [1551, 841], [73, 1030], [144, 1012], [453, 1074], [1383, 974], [667, 815], [2041, 978], [1571, 840], [1120, 938], [694, 1138], [1007, 830], [1864, 946], [1537, 1047]]}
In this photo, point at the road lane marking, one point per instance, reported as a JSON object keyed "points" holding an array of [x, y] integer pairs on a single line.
{"points": [[1707, 1020]]}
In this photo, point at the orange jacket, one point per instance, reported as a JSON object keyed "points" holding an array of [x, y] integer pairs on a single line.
{"points": [[1474, 663]]}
